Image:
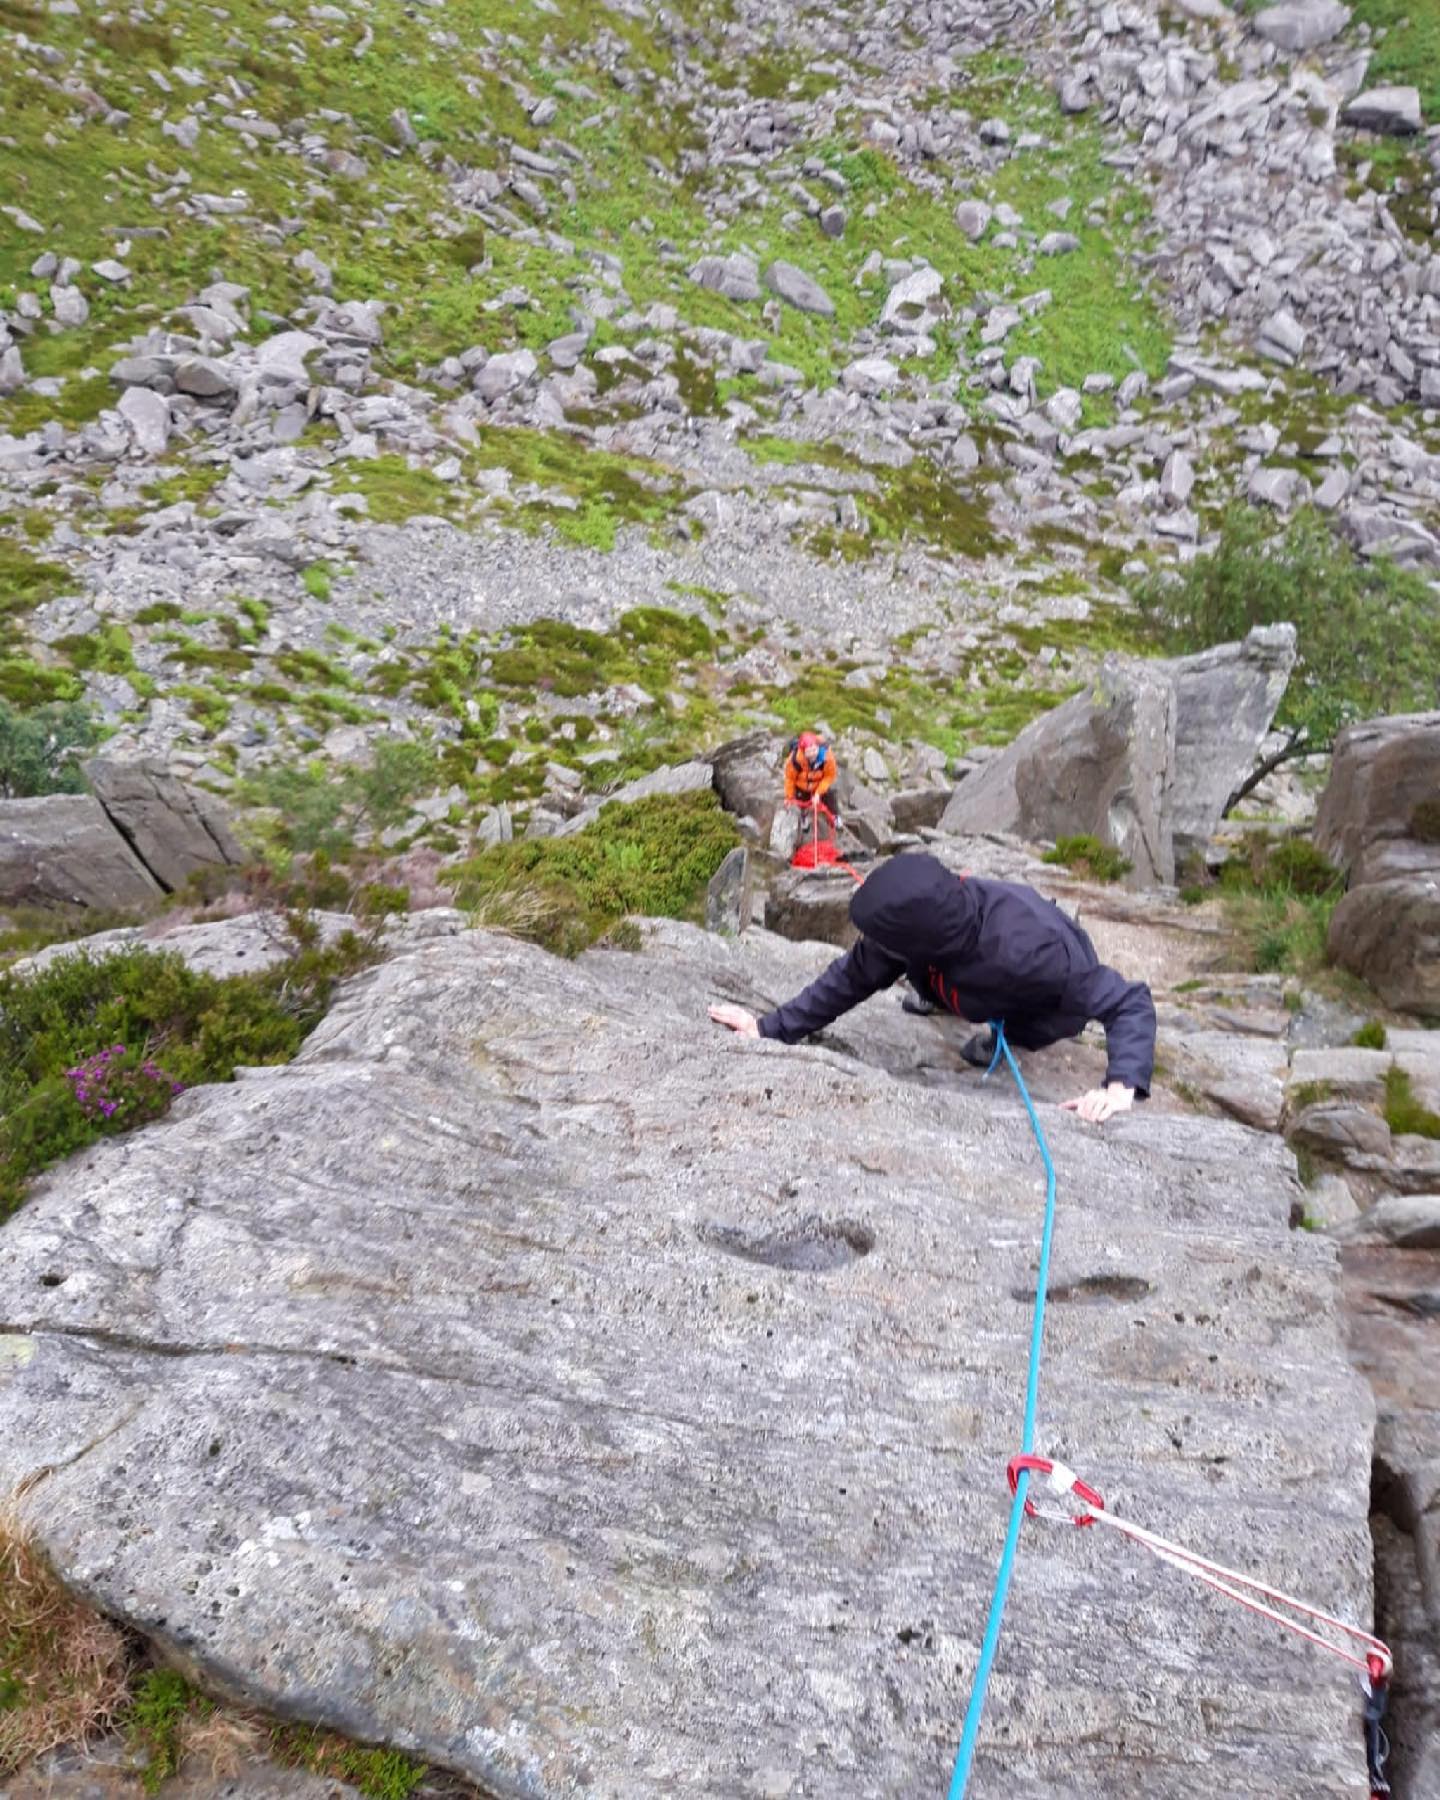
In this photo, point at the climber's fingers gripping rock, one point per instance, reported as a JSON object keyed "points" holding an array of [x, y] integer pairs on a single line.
{"points": [[736, 1018], [1102, 1103]]}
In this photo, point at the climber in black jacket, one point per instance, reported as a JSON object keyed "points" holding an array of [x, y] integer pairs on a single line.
{"points": [[986, 950]]}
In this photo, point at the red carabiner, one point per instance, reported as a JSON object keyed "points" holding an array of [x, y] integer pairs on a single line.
{"points": [[1043, 1465]]}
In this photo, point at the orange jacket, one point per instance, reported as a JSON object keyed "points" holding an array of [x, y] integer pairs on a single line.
{"points": [[802, 783]]}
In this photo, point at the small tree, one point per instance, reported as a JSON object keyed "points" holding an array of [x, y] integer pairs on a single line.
{"points": [[1368, 632], [40, 748]]}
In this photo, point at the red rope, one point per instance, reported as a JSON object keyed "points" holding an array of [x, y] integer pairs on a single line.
{"points": [[834, 860]]}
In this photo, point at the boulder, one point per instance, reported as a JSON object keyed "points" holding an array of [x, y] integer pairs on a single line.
{"points": [[919, 809], [735, 277], [62, 850], [1408, 1221], [1145, 759], [175, 830], [1300, 25], [799, 290], [869, 375], [504, 373], [533, 1374], [1225, 701], [1395, 110], [749, 778], [865, 812], [1381, 772], [727, 897], [1098, 764], [913, 302], [148, 416], [1388, 933]]}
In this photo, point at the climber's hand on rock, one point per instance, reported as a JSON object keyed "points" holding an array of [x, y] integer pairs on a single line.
{"points": [[735, 1018], [1101, 1103]]}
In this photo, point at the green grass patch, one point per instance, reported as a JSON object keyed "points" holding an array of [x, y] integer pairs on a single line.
{"points": [[1404, 1114], [1087, 856], [1370, 1036], [1409, 55]]}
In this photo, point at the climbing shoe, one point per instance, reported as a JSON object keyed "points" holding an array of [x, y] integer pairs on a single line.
{"points": [[918, 1004], [979, 1050]]}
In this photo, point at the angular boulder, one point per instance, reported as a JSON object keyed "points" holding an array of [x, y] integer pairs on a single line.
{"points": [[594, 1402], [750, 779], [799, 290], [1388, 933], [175, 830], [62, 850], [1392, 110], [1299, 25], [1381, 773], [734, 277], [1145, 759]]}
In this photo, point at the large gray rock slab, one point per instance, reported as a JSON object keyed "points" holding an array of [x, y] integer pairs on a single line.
{"points": [[62, 850], [245, 945], [1380, 772], [1145, 758], [1099, 763], [1225, 700], [537, 1377], [175, 830]]}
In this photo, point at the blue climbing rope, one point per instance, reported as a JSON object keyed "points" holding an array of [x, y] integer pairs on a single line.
{"points": [[966, 1753]]}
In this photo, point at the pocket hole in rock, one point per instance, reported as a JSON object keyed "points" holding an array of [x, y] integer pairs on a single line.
{"points": [[811, 1245], [1090, 1290]]}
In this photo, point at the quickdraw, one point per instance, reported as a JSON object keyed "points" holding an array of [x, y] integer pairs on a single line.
{"points": [[1361, 1649]]}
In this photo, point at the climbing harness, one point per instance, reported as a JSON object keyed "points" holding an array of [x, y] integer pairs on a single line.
{"points": [[819, 852], [1360, 1649]]}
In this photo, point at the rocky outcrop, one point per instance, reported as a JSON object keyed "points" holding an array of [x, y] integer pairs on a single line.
{"points": [[62, 850], [1382, 773], [1145, 759], [176, 831], [595, 1402], [138, 834], [1388, 933], [1379, 821]]}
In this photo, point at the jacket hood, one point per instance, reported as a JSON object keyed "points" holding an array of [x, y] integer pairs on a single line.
{"points": [[915, 907]]}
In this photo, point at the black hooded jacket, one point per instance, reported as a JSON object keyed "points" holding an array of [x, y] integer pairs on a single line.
{"points": [[986, 950]]}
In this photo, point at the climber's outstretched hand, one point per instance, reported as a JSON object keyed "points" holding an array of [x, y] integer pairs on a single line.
{"points": [[735, 1018], [1099, 1104]]}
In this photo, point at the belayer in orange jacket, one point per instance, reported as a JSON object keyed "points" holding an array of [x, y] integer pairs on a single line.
{"points": [[810, 770]]}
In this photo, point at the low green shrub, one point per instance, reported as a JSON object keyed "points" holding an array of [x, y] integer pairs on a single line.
{"points": [[1088, 856], [319, 809], [1370, 1036], [94, 1045], [649, 857]]}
